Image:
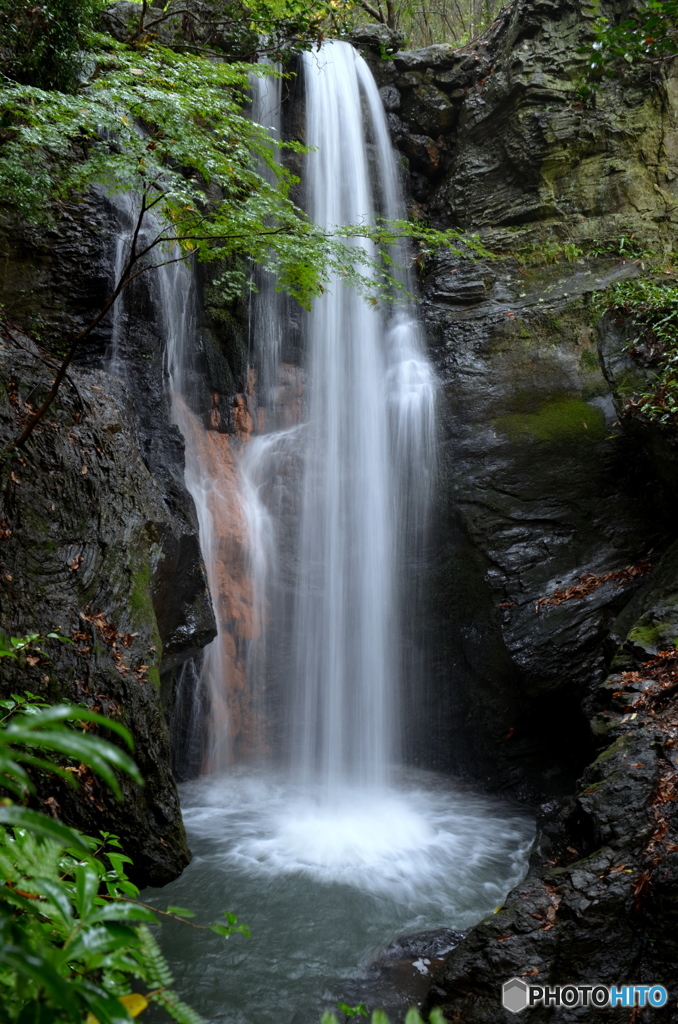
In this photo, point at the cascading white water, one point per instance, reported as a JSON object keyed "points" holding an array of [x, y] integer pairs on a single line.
{"points": [[344, 617], [212, 480], [268, 303], [369, 449], [173, 290], [174, 283]]}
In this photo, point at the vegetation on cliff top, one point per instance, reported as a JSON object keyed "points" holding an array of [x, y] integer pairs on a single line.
{"points": [[648, 309], [650, 33]]}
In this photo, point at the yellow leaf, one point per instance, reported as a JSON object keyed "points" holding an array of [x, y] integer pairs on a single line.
{"points": [[134, 1004]]}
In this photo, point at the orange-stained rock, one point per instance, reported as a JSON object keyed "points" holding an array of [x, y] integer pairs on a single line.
{"points": [[236, 727]]}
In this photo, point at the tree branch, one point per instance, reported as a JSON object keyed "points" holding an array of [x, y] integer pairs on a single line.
{"points": [[390, 14], [374, 12]]}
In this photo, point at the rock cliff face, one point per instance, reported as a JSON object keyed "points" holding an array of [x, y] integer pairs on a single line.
{"points": [[99, 535], [554, 570]]}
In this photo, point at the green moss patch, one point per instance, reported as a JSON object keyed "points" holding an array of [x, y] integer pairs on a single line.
{"points": [[655, 637], [141, 608], [558, 420], [588, 360]]}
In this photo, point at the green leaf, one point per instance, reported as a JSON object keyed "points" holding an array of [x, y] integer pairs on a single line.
{"points": [[87, 887], [123, 911], [34, 967], [8, 895], [96, 941], [74, 713], [98, 754], [41, 825], [117, 862], [57, 894], [180, 911]]}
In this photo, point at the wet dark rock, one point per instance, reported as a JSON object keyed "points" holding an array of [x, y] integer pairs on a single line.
{"points": [[522, 151], [424, 153], [440, 56], [390, 97], [428, 110], [53, 283], [379, 38], [88, 542], [627, 372], [599, 902], [538, 486], [431, 944], [398, 976]]}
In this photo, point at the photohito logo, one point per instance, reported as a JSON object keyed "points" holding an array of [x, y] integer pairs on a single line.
{"points": [[517, 995]]}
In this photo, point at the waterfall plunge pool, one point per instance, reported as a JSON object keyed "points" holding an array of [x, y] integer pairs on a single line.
{"points": [[324, 886]]}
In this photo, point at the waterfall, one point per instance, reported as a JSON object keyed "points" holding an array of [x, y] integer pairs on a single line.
{"points": [[212, 479], [176, 304], [370, 449], [362, 461], [325, 851], [312, 531], [269, 307]]}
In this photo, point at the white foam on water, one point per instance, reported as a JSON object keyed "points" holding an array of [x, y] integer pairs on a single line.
{"points": [[415, 843]]}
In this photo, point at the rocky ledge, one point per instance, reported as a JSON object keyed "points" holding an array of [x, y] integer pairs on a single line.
{"points": [[599, 902]]}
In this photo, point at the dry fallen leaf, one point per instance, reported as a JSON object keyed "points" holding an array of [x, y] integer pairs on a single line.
{"points": [[590, 582]]}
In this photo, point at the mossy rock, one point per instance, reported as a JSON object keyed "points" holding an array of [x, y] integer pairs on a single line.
{"points": [[654, 637], [563, 418]]}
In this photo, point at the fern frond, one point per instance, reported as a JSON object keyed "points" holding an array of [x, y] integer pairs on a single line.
{"points": [[179, 1011], [159, 974]]}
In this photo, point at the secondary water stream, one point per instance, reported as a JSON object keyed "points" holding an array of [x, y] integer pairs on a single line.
{"points": [[313, 529]]}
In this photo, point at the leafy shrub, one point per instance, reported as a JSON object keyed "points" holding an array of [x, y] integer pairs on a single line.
{"points": [[41, 44], [649, 310], [74, 938]]}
